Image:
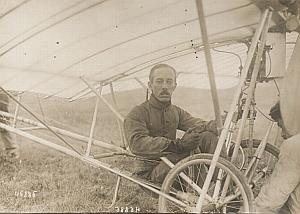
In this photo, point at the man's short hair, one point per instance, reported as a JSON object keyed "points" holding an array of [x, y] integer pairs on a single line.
{"points": [[275, 112], [154, 68]]}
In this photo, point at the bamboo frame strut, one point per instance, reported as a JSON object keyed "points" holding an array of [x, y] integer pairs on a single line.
{"points": [[41, 107], [258, 154], [19, 96], [209, 64], [32, 114], [215, 99], [211, 77], [250, 94], [141, 83], [83, 93], [252, 85], [30, 128], [91, 161], [143, 86], [64, 132], [230, 114], [251, 125], [108, 154], [119, 116], [89, 145], [120, 125], [115, 197], [263, 172]]}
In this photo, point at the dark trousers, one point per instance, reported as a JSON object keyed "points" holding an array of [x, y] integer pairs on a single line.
{"points": [[5, 136]]}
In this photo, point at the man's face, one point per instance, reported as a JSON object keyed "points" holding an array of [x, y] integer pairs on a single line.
{"points": [[163, 84]]}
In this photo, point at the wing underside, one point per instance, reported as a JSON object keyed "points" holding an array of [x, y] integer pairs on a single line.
{"points": [[46, 46]]}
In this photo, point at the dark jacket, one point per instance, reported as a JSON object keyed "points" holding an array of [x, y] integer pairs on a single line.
{"points": [[151, 127], [3, 101]]}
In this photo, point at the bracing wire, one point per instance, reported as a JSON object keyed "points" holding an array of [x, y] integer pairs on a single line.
{"points": [[270, 63], [263, 114], [32, 114], [232, 53], [41, 107], [277, 87]]}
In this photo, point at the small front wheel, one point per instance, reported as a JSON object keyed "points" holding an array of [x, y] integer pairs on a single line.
{"points": [[185, 181]]}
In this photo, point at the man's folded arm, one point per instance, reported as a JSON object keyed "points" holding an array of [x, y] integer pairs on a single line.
{"points": [[141, 143], [188, 122]]}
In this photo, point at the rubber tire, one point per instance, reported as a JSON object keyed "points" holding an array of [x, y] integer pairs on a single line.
{"points": [[227, 166], [273, 150], [270, 149]]}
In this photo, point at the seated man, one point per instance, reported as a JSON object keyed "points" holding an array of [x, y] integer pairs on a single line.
{"points": [[150, 128], [282, 192], [10, 147]]}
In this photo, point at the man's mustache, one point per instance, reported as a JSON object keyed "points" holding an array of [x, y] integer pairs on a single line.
{"points": [[165, 93]]}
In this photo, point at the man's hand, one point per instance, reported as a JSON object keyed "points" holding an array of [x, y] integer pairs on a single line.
{"points": [[190, 141], [211, 126]]}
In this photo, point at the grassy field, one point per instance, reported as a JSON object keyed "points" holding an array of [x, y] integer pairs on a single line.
{"points": [[44, 180]]}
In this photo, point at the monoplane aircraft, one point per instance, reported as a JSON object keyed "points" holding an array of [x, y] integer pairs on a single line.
{"points": [[78, 49]]}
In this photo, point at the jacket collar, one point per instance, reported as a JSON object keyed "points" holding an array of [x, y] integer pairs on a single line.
{"points": [[157, 104]]}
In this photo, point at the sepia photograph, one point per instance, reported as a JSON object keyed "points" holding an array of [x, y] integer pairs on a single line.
{"points": [[139, 106]]}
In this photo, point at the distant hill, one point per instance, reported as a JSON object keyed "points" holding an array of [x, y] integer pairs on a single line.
{"points": [[77, 115]]}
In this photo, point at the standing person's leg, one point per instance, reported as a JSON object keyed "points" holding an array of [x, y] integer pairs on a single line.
{"points": [[10, 147]]}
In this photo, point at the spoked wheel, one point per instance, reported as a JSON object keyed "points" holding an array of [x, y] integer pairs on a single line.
{"points": [[265, 165], [186, 180]]}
